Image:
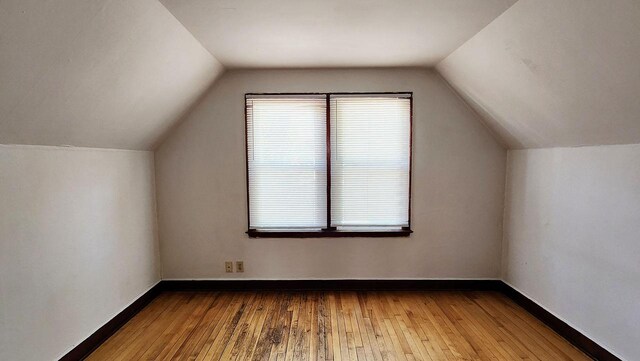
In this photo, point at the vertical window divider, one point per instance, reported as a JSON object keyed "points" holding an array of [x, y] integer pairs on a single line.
{"points": [[328, 160]]}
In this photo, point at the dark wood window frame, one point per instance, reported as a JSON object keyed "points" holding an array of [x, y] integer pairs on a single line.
{"points": [[329, 231]]}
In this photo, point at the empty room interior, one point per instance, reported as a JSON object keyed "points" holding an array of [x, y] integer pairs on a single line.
{"points": [[357, 180]]}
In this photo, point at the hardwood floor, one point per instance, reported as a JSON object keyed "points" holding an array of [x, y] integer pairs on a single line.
{"points": [[354, 326]]}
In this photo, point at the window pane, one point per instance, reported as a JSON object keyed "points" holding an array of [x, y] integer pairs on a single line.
{"points": [[286, 144], [370, 149]]}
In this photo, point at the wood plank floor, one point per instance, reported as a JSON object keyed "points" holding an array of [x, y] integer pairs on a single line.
{"points": [[354, 326]]}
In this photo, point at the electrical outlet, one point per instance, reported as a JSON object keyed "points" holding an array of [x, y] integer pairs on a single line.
{"points": [[228, 267], [239, 266]]}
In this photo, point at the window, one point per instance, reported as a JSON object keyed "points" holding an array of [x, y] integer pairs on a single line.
{"points": [[328, 165], [286, 144]]}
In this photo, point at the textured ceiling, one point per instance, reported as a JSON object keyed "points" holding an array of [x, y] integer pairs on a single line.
{"points": [[97, 73], [333, 33], [550, 73]]}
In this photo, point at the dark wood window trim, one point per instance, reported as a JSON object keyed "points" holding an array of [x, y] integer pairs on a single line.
{"points": [[329, 231], [254, 233]]}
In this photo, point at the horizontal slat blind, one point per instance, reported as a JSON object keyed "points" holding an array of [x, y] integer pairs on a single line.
{"points": [[286, 148], [370, 156]]}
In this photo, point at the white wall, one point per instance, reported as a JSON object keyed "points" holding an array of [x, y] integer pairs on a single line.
{"points": [[458, 188], [77, 244], [572, 238]]}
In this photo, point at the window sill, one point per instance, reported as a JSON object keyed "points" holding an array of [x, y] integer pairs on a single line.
{"points": [[327, 234]]}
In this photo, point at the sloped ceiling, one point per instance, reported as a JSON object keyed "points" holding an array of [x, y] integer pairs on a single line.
{"points": [[334, 33], [550, 73], [98, 73], [120, 73]]}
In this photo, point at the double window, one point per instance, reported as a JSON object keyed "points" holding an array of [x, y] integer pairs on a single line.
{"points": [[328, 164]]}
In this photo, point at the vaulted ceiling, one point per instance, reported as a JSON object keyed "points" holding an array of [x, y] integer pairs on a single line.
{"points": [[96, 73], [121, 73], [550, 73]]}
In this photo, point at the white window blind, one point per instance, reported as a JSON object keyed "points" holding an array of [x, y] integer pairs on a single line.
{"points": [[370, 161], [286, 149]]}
